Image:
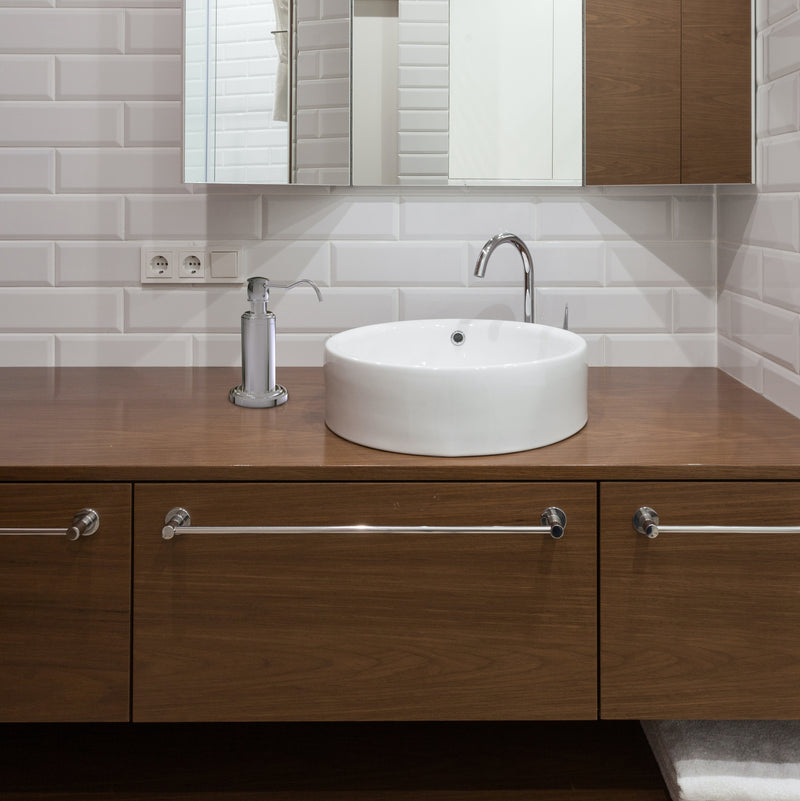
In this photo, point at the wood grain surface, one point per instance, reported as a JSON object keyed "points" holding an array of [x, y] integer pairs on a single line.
{"points": [[364, 627], [175, 424], [633, 92], [717, 92], [65, 606], [700, 625], [668, 92]]}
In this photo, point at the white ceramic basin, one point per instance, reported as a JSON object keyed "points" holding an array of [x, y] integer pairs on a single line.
{"points": [[408, 387]]}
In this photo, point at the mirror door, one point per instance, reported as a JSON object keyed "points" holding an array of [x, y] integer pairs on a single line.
{"points": [[443, 92], [266, 92], [460, 92]]}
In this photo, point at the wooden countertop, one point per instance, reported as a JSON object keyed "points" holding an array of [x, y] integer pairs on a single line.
{"points": [[176, 424]]}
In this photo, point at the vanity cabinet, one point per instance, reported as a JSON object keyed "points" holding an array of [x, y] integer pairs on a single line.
{"points": [[64, 605], [401, 624], [668, 92], [466, 629], [696, 624], [324, 625]]}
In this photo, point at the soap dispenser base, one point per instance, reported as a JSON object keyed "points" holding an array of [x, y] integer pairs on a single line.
{"points": [[241, 397]]}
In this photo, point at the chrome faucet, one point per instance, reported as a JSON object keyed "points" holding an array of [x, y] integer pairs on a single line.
{"points": [[258, 388], [527, 263]]}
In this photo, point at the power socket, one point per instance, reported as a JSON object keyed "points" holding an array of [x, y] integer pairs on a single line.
{"points": [[159, 264], [192, 264]]}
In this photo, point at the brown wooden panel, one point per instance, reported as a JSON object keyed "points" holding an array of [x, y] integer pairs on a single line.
{"points": [[633, 92], [112, 424], [364, 627], [65, 606], [716, 132], [700, 625]]}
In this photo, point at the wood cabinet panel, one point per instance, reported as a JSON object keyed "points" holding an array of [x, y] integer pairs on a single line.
{"points": [[633, 92], [65, 606], [696, 625], [716, 130], [668, 92], [364, 627]]}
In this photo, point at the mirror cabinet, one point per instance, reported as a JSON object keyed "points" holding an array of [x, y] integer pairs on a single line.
{"points": [[456, 92]]}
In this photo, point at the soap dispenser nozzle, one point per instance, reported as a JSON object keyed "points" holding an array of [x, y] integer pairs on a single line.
{"points": [[258, 294], [258, 388]]}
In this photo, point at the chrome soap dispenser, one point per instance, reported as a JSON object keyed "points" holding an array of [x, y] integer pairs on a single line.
{"points": [[258, 388]]}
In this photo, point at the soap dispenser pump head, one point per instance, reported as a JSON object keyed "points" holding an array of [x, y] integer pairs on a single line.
{"points": [[258, 295]]}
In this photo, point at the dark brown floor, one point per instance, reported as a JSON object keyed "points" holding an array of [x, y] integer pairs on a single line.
{"points": [[597, 761]]}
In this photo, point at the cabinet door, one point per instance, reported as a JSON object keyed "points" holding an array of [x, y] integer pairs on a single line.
{"points": [[700, 625], [668, 92], [716, 92], [633, 92], [64, 605], [389, 626]]}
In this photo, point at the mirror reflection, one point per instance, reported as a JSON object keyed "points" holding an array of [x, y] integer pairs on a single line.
{"points": [[461, 92], [443, 92], [267, 92], [236, 92]]}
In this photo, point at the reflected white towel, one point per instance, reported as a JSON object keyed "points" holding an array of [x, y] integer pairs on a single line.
{"points": [[281, 108], [728, 760]]}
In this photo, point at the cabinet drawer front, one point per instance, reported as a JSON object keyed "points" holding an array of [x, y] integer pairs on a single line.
{"points": [[327, 626], [64, 605], [700, 625]]}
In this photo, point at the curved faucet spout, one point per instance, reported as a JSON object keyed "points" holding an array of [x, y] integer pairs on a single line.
{"points": [[527, 264]]}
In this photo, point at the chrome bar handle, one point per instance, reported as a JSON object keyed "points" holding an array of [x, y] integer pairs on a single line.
{"points": [[179, 521], [554, 519], [84, 524], [646, 521]]}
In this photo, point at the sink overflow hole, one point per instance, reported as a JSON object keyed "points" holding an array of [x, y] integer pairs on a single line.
{"points": [[457, 337]]}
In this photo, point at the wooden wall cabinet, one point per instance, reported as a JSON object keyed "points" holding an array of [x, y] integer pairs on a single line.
{"points": [[64, 606], [331, 626], [700, 625], [668, 92]]}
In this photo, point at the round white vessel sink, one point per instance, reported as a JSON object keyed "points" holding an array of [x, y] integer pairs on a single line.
{"points": [[455, 387]]}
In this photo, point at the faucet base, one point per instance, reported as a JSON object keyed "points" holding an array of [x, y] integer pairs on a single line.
{"points": [[241, 397]]}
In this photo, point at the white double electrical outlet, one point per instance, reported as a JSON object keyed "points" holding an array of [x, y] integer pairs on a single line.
{"points": [[192, 264], [186, 264]]}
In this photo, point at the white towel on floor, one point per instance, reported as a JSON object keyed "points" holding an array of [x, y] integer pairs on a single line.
{"points": [[728, 760]]}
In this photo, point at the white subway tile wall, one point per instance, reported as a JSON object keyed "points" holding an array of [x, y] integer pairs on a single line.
{"points": [[250, 146], [759, 230], [90, 137], [423, 84], [322, 149], [27, 264]]}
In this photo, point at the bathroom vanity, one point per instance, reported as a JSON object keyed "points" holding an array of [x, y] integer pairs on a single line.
{"points": [[238, 624]]}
